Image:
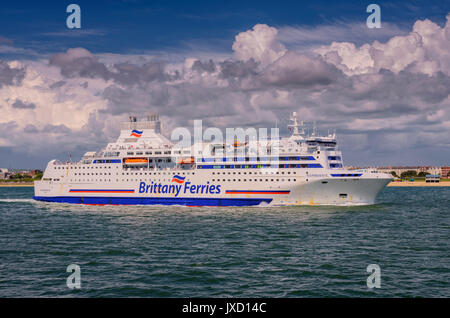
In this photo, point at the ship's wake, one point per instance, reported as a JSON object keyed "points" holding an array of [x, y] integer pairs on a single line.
{"points": [[17, 200]]}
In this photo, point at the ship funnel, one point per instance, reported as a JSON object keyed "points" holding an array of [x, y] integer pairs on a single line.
{"points": [[151, 122], [152, 117]]}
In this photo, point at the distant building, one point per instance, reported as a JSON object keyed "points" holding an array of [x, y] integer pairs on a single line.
{"points": [[4, 174], [433, 178], [417, 169], [445, 172], [33, 173]]}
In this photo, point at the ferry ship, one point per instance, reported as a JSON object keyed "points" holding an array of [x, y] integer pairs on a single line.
{"points": [[143, 167]]}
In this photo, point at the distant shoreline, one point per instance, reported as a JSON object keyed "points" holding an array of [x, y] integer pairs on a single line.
{"points": [[418, 184], [16, 184]]}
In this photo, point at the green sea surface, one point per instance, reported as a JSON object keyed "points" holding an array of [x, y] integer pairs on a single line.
{"points": [[173, 251]]}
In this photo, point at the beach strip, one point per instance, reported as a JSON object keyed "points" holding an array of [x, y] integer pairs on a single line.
{"points": [[418, 184]]}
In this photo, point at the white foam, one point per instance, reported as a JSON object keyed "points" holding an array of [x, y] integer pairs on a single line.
{"points": [[17, 200]]}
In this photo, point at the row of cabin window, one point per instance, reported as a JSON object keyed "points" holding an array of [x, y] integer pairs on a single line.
{"points": [[150, 160], [255, 180], [172, 172], [123, 173], [183, 173], [159, 173], [282, 166], [224, 159], [288, 172], [237, 159], [84, 167], [150, 153], [96, 174]]}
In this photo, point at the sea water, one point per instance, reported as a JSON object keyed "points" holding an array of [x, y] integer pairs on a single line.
{"points": [[174, 251]]}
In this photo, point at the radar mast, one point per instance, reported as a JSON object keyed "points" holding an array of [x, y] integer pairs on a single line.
{"points": [[294, 127]]}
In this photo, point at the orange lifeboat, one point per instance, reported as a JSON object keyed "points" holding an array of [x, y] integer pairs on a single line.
{"points": [[239, 144], [186, 161], [136, 161]]}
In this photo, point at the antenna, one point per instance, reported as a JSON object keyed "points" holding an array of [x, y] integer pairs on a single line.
{"points": [[314, 130], [295, 127]]}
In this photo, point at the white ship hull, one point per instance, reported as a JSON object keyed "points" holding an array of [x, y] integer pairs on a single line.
{"points": [[143, 191]]}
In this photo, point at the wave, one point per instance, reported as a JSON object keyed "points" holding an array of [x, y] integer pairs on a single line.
{"points": [[17, 200]]}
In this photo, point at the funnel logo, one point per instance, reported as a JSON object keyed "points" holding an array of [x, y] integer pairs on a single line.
{"points": [[136, 133], [176, 178]]}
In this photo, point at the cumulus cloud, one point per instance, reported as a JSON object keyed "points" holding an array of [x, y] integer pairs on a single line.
{"points": [[374, 94], [260, 44], [426, 49]]}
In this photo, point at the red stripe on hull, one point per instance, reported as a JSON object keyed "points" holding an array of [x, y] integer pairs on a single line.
{"points": [[257, 192], [130, 191]]}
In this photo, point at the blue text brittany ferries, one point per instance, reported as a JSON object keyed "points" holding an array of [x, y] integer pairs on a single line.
{"points": [[143, 167]]}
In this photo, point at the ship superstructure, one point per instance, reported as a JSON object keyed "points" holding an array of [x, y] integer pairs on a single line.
{"points": [[144, 167]]}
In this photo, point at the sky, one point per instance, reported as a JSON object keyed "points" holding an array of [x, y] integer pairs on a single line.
{"points": [[230, 63]]}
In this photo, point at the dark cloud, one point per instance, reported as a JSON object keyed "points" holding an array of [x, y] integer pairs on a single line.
{"points": [[10, 76], [81, 63], [387, 85], [232, 68], [7, 127], [56, 129], [200, 66], [82, 66], [129, 74], [30, 129], [131, 101], [294, 69], [22, 105], [119, 100], [57, 84]]}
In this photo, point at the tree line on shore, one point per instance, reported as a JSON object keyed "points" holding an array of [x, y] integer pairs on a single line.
{"points": [[28, 176]]}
